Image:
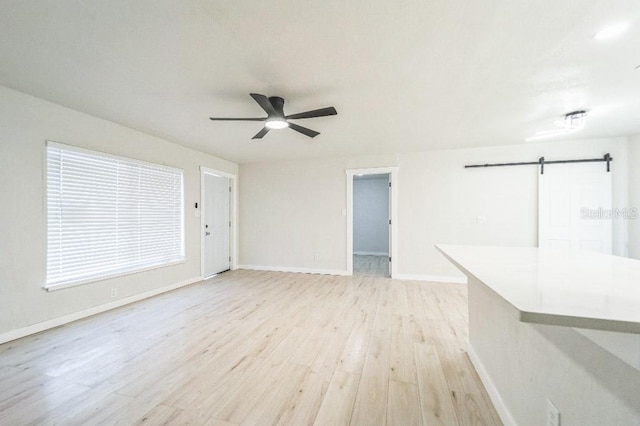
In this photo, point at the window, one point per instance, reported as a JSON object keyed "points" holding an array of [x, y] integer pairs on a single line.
{"points": [[109, 215]]}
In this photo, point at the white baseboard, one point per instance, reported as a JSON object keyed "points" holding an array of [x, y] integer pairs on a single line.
{"points": [[294, 269], [496, 399], [433, 278], [453, 279], [65, 319], [370, 253]]}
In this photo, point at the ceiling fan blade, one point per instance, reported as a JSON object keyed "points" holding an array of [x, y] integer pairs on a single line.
{"points": [[261, 133], [304, 130], [322, 112], [236, 119], [264, 103]]}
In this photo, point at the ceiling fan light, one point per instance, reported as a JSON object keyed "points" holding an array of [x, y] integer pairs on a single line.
{"points": [[276, 124]]}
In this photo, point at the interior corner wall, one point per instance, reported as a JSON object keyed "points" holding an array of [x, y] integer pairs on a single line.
{"points": [[292, 213], [371, 216], [25, 124], [633, 218]]}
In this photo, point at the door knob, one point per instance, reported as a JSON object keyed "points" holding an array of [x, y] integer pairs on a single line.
{"points": [[207, 233]]}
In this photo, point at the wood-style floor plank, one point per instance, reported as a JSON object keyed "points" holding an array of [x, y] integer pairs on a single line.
{"points": [[403, 407], [371, 265], [256, 348], [371, 398], [436, 404], [159, 415], [338, 403], [402, 367], [271, 406]]}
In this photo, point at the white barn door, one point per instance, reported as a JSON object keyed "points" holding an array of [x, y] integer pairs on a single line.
{"points": [[575, 207]]}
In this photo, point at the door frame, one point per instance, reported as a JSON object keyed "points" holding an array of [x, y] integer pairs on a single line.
{"points": [[393, 213], [233, 215]]}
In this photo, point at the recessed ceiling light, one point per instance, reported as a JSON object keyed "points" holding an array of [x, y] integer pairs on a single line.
{"points": [[610, 31]]}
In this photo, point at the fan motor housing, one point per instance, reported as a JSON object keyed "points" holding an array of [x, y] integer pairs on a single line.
{"points": [[278, 105]]}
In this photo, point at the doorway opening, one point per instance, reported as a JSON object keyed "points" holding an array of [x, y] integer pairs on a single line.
{"points": [[371, 221], [218, 218], [371, 225]]}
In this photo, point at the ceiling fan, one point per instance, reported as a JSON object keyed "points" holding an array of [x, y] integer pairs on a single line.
{"points": [[274, 107]]}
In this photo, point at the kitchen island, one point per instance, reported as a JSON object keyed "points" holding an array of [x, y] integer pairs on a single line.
{"points": [[554, 327]]}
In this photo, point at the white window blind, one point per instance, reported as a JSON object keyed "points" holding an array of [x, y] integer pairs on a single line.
{"points": [[109, 215]]}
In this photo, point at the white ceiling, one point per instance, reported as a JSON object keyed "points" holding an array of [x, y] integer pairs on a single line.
{"points": [[404, 75]]}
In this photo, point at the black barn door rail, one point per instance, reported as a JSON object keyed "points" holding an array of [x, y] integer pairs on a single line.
{"points": [[542, 162]]}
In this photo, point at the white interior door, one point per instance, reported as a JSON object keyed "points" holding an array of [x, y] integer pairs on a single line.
{"points": [[575, 206], [216, 224]]}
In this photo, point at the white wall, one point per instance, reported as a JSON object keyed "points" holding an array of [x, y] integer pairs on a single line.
{"points": [[634, 195], [25, 123], [371, 215], [293, 213]]}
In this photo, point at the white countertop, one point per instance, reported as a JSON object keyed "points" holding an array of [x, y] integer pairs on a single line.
{"points": [[558, 287]]}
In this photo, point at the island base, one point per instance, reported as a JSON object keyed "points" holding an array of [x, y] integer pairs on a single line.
{"points": [[524, 365]]}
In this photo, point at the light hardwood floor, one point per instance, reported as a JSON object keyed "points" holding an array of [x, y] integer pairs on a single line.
{"points": [[250, 347], [371, 265]]}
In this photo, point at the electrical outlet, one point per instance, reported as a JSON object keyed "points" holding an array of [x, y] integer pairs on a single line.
{"points": [[114, 292], [553, 415]]}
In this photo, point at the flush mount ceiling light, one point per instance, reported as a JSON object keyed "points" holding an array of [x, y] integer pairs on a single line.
{"points": [[575, 120], [611, 31], [276, 123], [571, 122]]}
